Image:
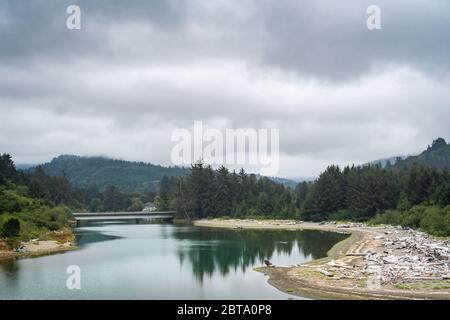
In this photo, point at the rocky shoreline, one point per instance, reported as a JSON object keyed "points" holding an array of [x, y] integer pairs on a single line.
{"points": [[373, 263]]}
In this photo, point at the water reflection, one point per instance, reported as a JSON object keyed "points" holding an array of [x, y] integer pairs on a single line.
{"points": [[86, 237], [163, 261], [10, 269], [210, 250]]}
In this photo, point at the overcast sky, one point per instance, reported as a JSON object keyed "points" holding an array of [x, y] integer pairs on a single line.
{"points": [[137, 70]]}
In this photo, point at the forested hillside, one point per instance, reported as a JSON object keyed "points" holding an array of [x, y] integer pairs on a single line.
{"points": [[437, 156], [84, 172]]}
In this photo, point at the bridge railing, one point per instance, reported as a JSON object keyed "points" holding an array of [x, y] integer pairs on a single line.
{"points": [[124, 213]]}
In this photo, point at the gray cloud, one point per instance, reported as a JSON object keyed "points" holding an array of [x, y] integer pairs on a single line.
{"points": [[139, 69], [314, 38], [326, 40]]}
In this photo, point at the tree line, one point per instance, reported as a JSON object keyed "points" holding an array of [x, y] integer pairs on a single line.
{"points": [[359, 193], [205, 192]]}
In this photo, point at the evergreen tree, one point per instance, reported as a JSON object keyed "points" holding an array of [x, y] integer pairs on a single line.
{"points": [[7, 169], [327, 195], [114, 200], [224, 192], [301, 191]]}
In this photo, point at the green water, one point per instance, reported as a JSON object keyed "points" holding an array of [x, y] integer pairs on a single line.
{"points": [[164, 261]]}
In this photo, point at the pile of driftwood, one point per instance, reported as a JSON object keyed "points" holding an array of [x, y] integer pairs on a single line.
{"points": [[407, 256], [413, 257], [342, 225]]}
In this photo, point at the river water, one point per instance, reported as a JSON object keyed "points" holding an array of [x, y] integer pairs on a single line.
{"points": [[163, 261]]}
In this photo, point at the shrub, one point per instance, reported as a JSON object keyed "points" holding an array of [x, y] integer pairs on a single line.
{"points": [[392, 217], [136, 205], [11, 228], [434, 220], [343, 215]]}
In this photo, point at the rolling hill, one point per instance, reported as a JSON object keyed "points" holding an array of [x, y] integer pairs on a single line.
{"points": [[101, 172]]}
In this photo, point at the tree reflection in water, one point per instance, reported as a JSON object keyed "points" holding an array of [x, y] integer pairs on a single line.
{"points": [[210, 250]]}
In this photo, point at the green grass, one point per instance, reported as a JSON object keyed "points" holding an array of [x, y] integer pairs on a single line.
{"points": [[427, 285]]}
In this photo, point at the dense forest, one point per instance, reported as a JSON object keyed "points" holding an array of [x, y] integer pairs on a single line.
{"points": [[101, 173], [416, 196]]}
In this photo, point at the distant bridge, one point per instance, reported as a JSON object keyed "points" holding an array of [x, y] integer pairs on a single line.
{"points": [[111, 216]]}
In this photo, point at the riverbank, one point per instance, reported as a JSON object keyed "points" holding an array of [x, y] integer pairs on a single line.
{"points": [[33, 250], [51, 243], [372, 263]]}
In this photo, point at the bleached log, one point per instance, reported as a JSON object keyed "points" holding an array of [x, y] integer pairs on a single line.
{"points": [[357, 254], [324, 272]]}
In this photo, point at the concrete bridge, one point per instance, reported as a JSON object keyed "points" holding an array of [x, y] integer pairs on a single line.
{"points": [[112, 216]]}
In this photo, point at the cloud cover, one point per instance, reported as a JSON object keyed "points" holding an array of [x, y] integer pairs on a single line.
{"points": [[137, 70]]}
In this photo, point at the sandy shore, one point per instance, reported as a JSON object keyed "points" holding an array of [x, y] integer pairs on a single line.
{"points": [[347, 272], [38, 248]]}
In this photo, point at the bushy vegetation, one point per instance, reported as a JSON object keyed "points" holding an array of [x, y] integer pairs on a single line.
{"points": [[10, 228], [432, 219], [33, 204]]}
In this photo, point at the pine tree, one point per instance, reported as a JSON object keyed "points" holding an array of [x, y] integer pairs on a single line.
{"points": [[7, 169], [223, 195]]}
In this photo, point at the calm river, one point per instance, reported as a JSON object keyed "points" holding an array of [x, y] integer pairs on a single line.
{"points": [[164, 261]]}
